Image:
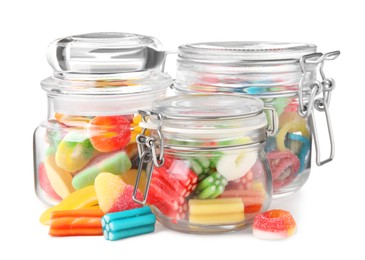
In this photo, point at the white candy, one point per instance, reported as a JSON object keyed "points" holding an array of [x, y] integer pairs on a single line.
{"points": [[235, 165], [269, 235]]}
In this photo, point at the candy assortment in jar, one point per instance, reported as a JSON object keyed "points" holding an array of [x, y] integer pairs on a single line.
{"points": [[213, 175], [94, 97], [284, 76]]}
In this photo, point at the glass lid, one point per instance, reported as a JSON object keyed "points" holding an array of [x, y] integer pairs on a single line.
{"points": [[105, 52], [208, 107], [245, 50]]}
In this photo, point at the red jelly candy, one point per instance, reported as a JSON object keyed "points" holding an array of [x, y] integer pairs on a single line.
{"points": [[284, 167], [45, 183], [109, 133], [170, 185]]}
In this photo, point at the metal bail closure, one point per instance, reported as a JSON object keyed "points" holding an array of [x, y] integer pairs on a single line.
{"points": [[274, 121], [315, 102], [321, 105], [150, 151]]}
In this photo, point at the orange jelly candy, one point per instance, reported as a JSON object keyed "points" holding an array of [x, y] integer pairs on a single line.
{"points": [[109, 133]]}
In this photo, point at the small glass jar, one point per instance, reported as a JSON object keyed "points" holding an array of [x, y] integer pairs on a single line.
{"points": [[283, 75], [205, 163], [99, 83]]}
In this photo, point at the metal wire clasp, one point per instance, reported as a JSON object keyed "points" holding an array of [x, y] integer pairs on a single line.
{"points": [[318, 98], [150, 150], [274, 121]]}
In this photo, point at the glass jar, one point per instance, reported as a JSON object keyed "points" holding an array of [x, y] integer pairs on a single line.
{"points": [[205, 163], [99, 83], [283, 75]]}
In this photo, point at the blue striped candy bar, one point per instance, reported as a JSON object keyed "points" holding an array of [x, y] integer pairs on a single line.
{"points": [[128, 223]]}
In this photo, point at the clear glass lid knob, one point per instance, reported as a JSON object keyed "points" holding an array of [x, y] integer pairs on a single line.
{"points": [[106, 52]]}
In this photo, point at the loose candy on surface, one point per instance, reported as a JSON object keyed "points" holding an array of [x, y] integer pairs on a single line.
{"points": [[109, 133], [83, 198], [116, 163], [74, 152], [81, 222], [128, 223], [284, 168], [216, 211], [59, 179], [274, 224], [114, 194], [45, 184]]}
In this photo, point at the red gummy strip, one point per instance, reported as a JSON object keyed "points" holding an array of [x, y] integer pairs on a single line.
{"points": [[169, 186], [181, 171], [282, 164], [252, 199], [253, 208], [170, 181], [157, 196]]}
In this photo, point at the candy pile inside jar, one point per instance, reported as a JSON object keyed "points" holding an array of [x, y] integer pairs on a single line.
{"points": [[283, 75], [214, 176], [85, 153], [289, 151]]}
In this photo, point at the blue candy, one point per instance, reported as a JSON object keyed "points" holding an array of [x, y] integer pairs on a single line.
{"points": [[128, 223], [270, 144], [304, 150]]}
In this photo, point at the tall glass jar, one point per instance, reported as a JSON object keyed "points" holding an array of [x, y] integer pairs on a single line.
{"points": [[283, 75], [99, 83], [205, 162]]}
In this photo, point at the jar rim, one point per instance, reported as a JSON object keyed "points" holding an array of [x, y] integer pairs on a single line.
{"points": [[107, 84], [202, 106], [239, 51]]}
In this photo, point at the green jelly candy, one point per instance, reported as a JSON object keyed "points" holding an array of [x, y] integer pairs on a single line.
{"points": [[115, 163]]}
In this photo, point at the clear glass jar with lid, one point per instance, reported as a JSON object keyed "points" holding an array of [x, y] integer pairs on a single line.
{"points": [[99, 83], [205, 163], [288, 76]]}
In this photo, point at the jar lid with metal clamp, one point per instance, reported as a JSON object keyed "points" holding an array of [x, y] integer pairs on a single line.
{"points": [[264, 69]]}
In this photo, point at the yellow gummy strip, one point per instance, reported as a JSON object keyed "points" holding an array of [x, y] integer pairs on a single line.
{"points": [[217, 219], [292, 127], [213, 201], [83, 198], [94, 207], [218, 206]]}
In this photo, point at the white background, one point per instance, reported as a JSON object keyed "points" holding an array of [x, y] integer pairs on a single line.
{"points": [[327, 209]]}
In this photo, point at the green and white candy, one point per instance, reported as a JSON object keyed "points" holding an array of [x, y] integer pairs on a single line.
{"points": [[211, 187]]}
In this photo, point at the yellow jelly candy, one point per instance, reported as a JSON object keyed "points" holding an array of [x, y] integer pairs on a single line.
{"points": [[83, 198], [60, 180], [290, 127]]}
